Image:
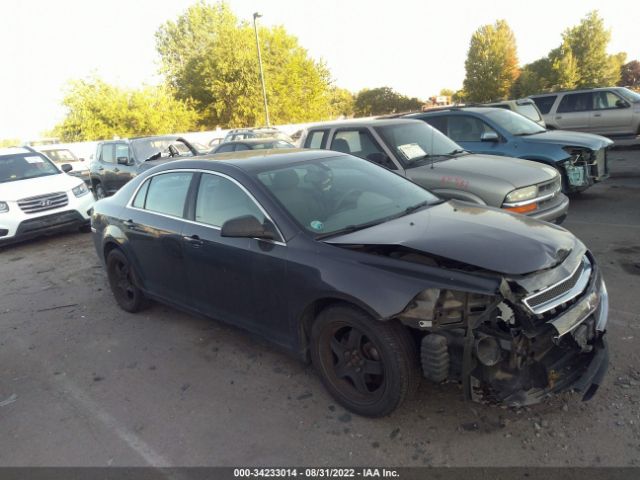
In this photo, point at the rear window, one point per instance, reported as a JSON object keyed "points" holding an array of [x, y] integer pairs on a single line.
{"points": [[544, 104], [165, 194], [529, 111]]}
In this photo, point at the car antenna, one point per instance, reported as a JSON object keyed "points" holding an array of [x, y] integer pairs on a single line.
{"points": [[431, 149]]}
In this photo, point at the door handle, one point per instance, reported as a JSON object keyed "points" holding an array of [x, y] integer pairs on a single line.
{"points": [[193, 240], [558, 117]]}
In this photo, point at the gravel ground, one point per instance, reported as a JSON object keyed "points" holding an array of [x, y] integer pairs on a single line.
{"points": [[83, 383]]}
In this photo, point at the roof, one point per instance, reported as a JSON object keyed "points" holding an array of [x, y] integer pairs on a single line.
{"points": [[14, 151], [356, 123], [580, 90], [172, 137], [453, 109], [252, 141], [256, 160]]}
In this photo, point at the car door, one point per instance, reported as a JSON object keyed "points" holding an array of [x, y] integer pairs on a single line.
{"points": [[124, 168], [361, 143], [611, 114], [574, 112], [153, 226], [106, 168], [237, 280], [468, 131]]}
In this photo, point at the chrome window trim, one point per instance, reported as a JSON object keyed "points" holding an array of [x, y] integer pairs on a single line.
{"points": [[577, 289], [214, 227]]}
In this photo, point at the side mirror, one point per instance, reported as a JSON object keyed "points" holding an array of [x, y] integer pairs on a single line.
{"points": [[66, 168], [621, 104], [246, 226], [123, 161], [489, 137]]}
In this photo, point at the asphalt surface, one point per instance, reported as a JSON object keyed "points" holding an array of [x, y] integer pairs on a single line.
{"points": [[83, 383]]}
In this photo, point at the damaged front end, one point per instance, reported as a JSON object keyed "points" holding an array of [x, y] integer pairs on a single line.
{"points": [[539, 334], [584, 167]]}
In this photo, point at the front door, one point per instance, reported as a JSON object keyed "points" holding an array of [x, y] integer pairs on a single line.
{"points": [[467, 131], [124, 169], [611, 114]]}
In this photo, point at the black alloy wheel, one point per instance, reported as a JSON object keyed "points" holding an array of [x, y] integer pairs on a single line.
{"points": [[370, 367], [122, 282]]}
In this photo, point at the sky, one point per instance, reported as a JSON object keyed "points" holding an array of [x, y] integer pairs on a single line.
{"points": [[417, 47]]}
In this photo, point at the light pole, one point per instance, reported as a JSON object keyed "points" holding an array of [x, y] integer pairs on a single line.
{"points": [[264, 90]]}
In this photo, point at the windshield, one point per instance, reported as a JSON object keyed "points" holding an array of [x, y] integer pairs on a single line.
{"points": [[61, 155], [629, 95], [344, 193], [24, 166], [274, 144], [145, 148], [413, 142], [529, 111], [514, 123]]}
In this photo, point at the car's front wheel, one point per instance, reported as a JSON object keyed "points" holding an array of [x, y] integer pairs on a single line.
{"points": [[370, 367], [122, 282]]}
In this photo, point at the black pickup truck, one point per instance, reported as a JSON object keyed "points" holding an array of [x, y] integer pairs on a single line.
{"points": [[118, 161]]}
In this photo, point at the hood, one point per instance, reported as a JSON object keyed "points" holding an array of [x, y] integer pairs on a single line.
{"points": [[569, 139], [514, 171], [483, 237], [32, 187]]}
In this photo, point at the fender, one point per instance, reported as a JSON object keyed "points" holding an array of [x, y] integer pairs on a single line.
{"points": [[458, 195]]}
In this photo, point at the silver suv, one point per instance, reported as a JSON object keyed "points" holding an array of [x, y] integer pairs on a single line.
{"points": [[605, 111]]}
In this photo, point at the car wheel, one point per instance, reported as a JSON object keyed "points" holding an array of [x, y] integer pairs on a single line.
{"points": [[370, 367], [99, 191], [86, 228], [122, 282]]}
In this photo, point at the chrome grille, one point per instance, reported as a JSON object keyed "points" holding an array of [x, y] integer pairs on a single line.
{"points": [[548, 188], [42, 203], [561, 292]]}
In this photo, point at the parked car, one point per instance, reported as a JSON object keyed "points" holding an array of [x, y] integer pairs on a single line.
{"points": [[426, 156], [523, 106], [37, 197], [118, 161], [262, 132], [364, 272], [215, 142], [251, 144], [581, 158], [606, 111], [62, 155]]}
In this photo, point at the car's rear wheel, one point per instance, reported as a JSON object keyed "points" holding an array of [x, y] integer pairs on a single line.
{"points": [[99, 191], [122, 282], [370, 367]]}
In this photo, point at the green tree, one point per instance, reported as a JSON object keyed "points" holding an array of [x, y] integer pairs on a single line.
{"points": [[630, 74], [209, 56], [564, 73], [492, 63], [342, 102], [97, 111], [447, 92], [9, 142], [383, 100], [588, 43]]}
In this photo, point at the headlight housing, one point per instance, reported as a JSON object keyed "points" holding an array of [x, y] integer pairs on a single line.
{"points": [[80, 190], [522, 194], [4, 207]]}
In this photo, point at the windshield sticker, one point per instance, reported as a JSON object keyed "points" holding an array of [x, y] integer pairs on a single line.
{"points": [[317, 225], [412, 150], [34, 159]]}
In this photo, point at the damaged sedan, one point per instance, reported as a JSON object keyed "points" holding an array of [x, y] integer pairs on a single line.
{"points": [[370, 277]]}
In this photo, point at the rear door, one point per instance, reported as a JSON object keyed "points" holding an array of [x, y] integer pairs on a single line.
{"points": [[574, 112], [237, 280], [611, 114], [153, 225]]}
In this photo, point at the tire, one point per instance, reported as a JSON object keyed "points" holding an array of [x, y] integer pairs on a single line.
{"points": [[99, 191], [85, 228], [122, 281], [346, 342]]}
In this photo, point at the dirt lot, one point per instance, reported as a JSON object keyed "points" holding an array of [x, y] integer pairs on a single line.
{"points": [[83, 383]]}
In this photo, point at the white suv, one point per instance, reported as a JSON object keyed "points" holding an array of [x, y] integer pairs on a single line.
{"points": [[37, 198]]}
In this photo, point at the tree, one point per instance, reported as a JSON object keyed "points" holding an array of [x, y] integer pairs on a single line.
{"points": [[209, 57], [492, 63], [630, 74], [341, 102], [383, 100], [447, 92], [588, 43], [564, 73], [97, 111]]}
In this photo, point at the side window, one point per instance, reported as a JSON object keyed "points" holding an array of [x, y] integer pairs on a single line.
{"points": [[438, 122], [241, 146], [226, 148], [356, 142], [315, 139], [219, 199], [604, 100], [575, 102], [544, 104], [167, 193], [122, 151], [141, 196], [107, 154], [463, 128]]}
